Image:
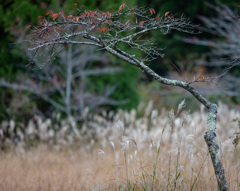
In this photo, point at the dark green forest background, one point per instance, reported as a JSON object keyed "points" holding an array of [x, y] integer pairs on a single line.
{"points": [[132, 84]]}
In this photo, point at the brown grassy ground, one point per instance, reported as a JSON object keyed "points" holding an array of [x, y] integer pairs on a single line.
{"points": [[165, 153], [44, 169]]}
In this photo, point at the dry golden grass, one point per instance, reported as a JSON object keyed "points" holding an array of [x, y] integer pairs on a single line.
{"points": [[163, 151], [45, 169]]}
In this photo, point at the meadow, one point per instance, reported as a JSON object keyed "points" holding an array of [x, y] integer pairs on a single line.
{"points": [[143, 149]]}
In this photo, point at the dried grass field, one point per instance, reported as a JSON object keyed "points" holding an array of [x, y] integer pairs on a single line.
{"points": [[161, 150]]}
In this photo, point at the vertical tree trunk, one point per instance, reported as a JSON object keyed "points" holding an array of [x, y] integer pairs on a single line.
{"points": [[69, 81], [213, 147]]}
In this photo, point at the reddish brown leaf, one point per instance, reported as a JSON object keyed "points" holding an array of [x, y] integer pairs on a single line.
{"points": [[93, 23], [132, 15], [201, 78], [152, 11], [40, 17], [167, 13], [70, 16], [157, 18], [55, 16], [108, 15], [48, 13], [65, 16], [75, 5], [121, 7], [83, 15], [104, 30], [76, 19], [29, 26], [141, 23], [92, 13]]}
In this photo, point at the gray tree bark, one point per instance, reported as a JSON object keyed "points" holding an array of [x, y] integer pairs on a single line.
{"points": [[213, 147]]}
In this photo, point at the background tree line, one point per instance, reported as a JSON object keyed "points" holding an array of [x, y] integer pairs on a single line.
{"points": [[111, 89]]}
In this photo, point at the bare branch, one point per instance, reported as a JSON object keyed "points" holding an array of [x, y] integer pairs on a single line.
{"points": [[225, 51], [112, 27], [35, 90]]}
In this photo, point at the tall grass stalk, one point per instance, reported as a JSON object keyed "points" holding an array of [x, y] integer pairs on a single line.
{"points": [[156, 159], [199, 171]]}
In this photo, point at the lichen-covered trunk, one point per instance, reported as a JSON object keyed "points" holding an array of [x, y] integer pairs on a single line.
{"points": [[213, 147]]}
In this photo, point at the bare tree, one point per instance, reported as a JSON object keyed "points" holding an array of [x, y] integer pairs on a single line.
{"points": [[127, 27], [68, 80], [224, 28]]}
